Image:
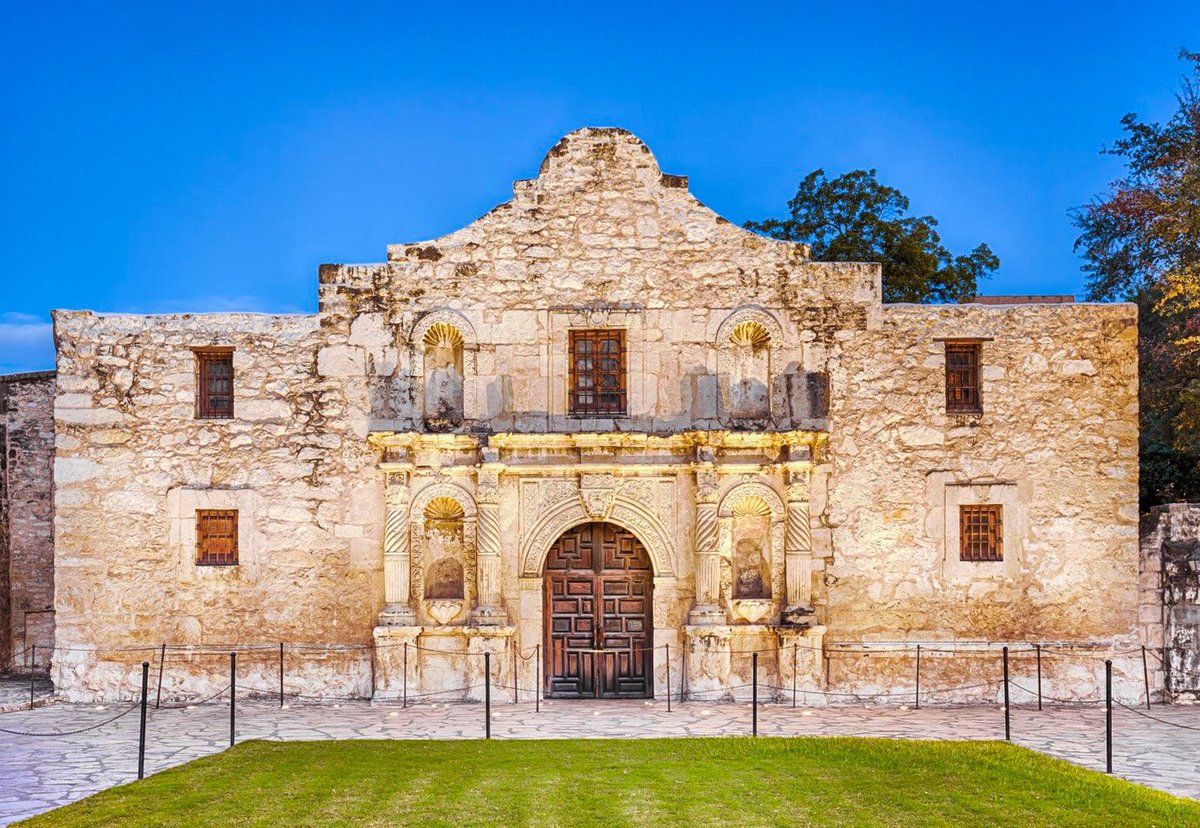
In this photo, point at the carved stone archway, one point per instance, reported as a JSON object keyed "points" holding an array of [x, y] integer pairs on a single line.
{"points": [[570, 512]]}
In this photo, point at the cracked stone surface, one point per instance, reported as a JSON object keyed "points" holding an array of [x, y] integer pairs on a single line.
{"points": [[43, 772]]}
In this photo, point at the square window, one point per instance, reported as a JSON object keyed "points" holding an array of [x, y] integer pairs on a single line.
{"points": [[597, 373], [216, 537], [214, 385], [980, 532], [962, 378]]}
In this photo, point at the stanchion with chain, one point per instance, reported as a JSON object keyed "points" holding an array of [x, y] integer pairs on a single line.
{"points": [[917, 698], [162, 657], [1007, 731], [1146, 676], [537, 678], [516, 673], [487, 695], [142, 731], [281, 674], [405, 682], [1039, 674], [754, 694], [232, 694], [668, 647], [1108, 715], [32, 667]]}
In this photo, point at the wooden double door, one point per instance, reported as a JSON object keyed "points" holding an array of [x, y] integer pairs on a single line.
{"points": [[598, 615]]}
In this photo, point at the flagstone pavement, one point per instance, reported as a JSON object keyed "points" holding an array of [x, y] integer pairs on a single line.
{"points": [[39, 772]]}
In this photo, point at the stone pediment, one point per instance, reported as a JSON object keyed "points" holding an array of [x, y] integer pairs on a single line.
{"points": [[601, 222]]}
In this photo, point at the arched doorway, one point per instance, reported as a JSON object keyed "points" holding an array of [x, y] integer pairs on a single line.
{"points": [[598, 587]]}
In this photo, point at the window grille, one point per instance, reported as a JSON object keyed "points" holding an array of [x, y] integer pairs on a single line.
{"points": [[216, 537], [962, 378], [980, 533], [597, 373], [214, 385]]}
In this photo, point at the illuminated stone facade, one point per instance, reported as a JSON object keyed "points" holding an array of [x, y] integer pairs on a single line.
{"points": [[403, 462]]}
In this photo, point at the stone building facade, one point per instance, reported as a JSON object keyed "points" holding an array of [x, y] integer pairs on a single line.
{"points": [[26, 521], [612, 439]]}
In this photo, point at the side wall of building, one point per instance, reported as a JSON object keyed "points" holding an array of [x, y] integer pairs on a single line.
{"points": [[26, 520], [134, 464], [1055, 445]]}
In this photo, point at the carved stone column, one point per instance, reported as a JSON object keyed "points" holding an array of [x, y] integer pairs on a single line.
{"points": [[708, 563], [397, 611], [489, 611], [798, 554]]}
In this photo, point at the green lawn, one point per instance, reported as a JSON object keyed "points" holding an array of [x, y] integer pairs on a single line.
{"points": [[617, 782]]}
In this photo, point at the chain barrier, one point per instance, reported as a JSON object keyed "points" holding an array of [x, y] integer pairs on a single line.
{"points": [[97, 726]]}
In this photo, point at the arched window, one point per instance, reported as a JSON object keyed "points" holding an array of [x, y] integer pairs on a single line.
{"points": [[443, 347], [750, 371], [751, 548], [444, 549]]}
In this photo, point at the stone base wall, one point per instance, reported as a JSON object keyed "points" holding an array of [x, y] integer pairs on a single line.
{"points": [[26, 521], [1171, 541]]}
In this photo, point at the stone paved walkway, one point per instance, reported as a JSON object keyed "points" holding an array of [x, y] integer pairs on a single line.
{"points": [[39, 773]]}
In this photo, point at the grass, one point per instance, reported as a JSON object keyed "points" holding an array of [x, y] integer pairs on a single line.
{"points": [[618, 782]]}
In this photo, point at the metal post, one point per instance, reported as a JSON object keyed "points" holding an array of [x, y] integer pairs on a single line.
{"points": [[1146, 676], [1108, 714], [1039, 671], [668, 647], [537, 678], [281, 674], [374, 652], [32, 667], [142, 731], [232, 694], [917, 699], [487, 695], [1007, 730], [162, 657], [754, 694], [516, 673], [405, 704]]}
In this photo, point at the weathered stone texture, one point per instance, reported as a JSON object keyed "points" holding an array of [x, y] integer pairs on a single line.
{"points": [[26, 520], [133, 460], [1171, 606], [1057, 443], [786, 459]]}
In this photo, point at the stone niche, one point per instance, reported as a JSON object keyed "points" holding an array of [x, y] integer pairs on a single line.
{"points": [[751, 536], [442, 346], [443, 562]]}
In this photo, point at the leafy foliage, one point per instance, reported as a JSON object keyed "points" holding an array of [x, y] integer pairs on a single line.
{"points": [[854, 218], [1141, 242]]}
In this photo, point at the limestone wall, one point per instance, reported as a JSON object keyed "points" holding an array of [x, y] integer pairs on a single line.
{"points": [[443, 372], [133, 463], [26, 520], [600, 238], [1171, 549], [1056, 444]]}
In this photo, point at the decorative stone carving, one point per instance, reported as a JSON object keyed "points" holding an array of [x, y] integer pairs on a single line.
{"points": [[560, 507], [708, 565], [798, 558], [444, 610], [397, 610], [488, 542]]}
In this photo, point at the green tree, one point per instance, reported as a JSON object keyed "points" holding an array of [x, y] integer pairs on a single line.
{"points": [[854, 218], [1140, 242]]}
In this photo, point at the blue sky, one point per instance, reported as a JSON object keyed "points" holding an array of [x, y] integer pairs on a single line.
{"points": [[166, 157]]}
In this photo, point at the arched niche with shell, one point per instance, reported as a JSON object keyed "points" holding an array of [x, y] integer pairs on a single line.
{"points": [[443, 525], [747, 343], [443, 346], [751, 523]]}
